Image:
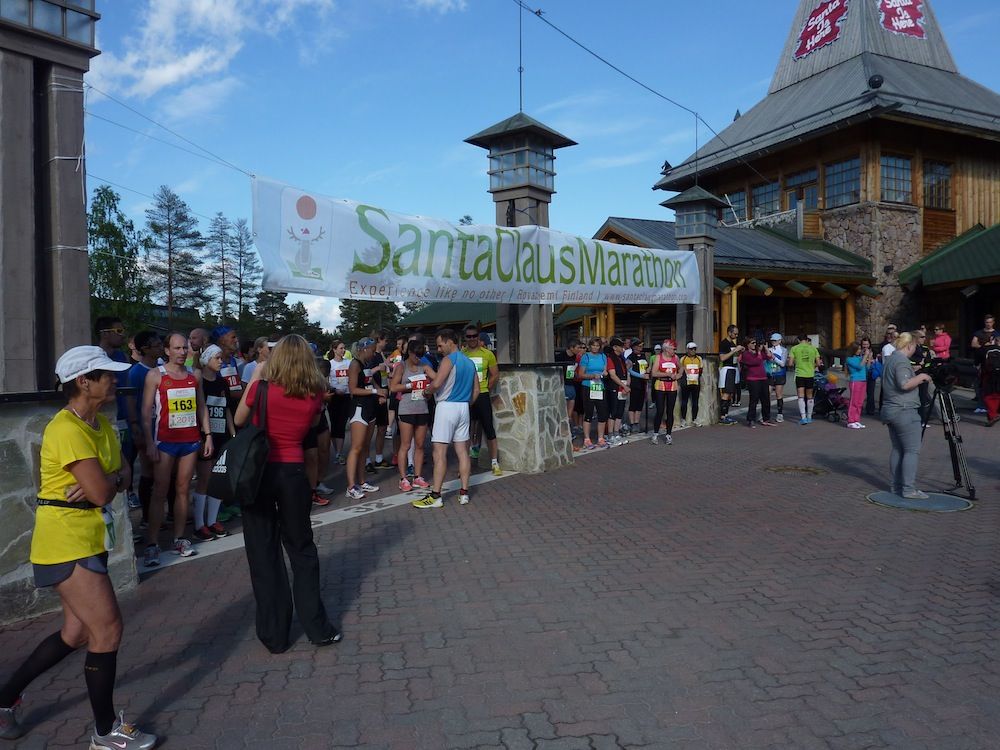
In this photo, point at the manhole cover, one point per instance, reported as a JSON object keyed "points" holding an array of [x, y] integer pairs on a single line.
{"points": [[936, 502], [813, 470]]}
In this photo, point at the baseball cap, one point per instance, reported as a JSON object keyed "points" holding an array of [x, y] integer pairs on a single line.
{"points": [[692, 345], [776, 337], [365, 343], [657, 348], [210, 351], [83, 359], [218, 332]]}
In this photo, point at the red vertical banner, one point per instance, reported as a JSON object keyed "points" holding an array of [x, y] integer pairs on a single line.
{"points": [[822, 27], [902, 17]]}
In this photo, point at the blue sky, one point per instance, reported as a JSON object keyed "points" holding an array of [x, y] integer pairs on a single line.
{"points": [[371, 99]]}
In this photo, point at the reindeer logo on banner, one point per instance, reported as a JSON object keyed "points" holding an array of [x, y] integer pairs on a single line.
{"points": [[305, 248]]}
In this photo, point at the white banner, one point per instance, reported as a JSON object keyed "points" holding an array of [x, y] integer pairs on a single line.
{"points": [[340, 248]]}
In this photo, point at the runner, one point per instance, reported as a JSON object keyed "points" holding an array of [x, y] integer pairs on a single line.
{"points": [[482, 408], [339, 405], [638, 365], [777, 373], [804, 357], [568, 358], [410, 380], [380, 373], [81, 472], [617, 386], [455, 387], [365, 396], [173, 409], [197, 341], [321, 460], [225, 338], [150, 349], [981, 338], [590, 371], [261, 348], [220, 421], [394, 360], [729, 373], [665, 370], [110, 337], [692, 366]]}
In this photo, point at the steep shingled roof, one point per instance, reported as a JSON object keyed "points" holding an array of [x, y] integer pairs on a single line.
{"points": [[828, 87]]}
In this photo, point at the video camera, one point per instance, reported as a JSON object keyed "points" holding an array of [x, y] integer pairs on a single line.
{"points": [[944, 375]]}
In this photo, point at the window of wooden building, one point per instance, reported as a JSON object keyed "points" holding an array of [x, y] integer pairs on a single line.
{"points": [[937, 184], [766, 199], [802, 187], [897, 179], [738, 212], [842, 183]]}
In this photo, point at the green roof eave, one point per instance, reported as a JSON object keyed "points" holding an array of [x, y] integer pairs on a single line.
{"points": [[459, 313], [973, 255]]}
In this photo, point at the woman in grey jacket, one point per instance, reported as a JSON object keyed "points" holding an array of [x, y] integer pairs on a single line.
{"points": [[900, 412]]}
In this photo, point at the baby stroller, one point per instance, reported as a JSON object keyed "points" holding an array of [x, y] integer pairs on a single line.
{"points": [[828, 398]]}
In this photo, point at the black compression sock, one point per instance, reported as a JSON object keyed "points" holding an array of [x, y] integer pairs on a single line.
{"points": [[46, 655], [99, 671], [145, 493]]}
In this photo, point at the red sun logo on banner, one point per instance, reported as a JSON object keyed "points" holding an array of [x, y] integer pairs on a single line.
{"points": [[822, 27], [903, 17]]}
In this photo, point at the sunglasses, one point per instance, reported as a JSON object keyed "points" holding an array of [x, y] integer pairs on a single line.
{"points": [[118, 329], [472, 335]]}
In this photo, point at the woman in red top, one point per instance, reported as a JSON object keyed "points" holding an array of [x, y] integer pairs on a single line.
{"points": [[755, 374], [665, 370], [172, 398], [279, 515], [941, 343]]}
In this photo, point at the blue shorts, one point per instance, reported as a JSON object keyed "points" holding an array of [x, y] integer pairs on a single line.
{"points": [[50, 575], [178, 450], [569, 389]]}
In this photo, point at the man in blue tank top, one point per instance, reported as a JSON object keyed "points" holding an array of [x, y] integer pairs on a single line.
{"points": [[454, 389]]}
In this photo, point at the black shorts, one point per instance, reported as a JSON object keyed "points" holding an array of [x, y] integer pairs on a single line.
{"points": [[363, 410], [578, 406], [777, 379], [324, 423], [381, 415], [637, 396], [394, 402], [50, 575], [730, 385], [309, 442], [807, 383], [481, 410], [417, 420]]}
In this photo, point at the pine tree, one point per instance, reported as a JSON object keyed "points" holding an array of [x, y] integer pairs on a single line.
{"points": [[361, 317], [175, 246], [219, 244], [118, 285], [271, 310], [245, 269]]}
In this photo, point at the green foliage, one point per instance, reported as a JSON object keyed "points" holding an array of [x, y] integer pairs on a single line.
{"points": [[219, 249], [174, 264], [361, 317], [117, 283], [245, 269]]}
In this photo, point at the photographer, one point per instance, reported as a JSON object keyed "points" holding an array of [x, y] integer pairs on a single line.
{"points": [[900, 412]]}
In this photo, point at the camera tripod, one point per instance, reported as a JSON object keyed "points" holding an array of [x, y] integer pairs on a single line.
{"points": [[949, 419]]}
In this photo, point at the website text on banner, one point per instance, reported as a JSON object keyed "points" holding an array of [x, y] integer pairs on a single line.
{"points": [[341, 248]]}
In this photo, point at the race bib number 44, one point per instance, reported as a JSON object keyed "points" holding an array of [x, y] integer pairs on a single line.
{"points": [[181, 408]]}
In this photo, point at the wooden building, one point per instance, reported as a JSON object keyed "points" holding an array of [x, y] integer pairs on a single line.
{"points": [[868, 139]]}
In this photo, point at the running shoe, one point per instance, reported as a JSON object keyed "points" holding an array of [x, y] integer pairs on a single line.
{"points": [[10, 727], [151, 557], [367, 487], [183, 547], [463, 497], [122, 736], [369, 468], [684, 423], [322, 489], [727, 420], [319, 500], [395, 460], [428, 501], [862, 425], [803, 420], [655, 440], [473, 453], [752, 425], [383, 464], [389, 432], [204, 534], [420, 483], [669, 439], [219, 530], [405, 486], [587, 445], [355, 493], [602, 444], [979, 410], [915, 495], [780, 418], [854, 425], [497, 471], [134, 501]]}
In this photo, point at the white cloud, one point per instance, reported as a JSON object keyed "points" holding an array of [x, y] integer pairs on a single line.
{"points": [[615, 162], [199, 100], [326, 310], [576, 101], [441, 6]]}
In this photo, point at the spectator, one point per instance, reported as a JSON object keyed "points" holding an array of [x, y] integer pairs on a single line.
{"points": [[755, 355], [729, 373], [866, 350], [777, 373], [858, 366], [900, 413], [981, 339], [941, 343], [990, 383]]}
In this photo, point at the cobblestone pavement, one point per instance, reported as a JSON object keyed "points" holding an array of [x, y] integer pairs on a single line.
{"points": [[651, 596]]}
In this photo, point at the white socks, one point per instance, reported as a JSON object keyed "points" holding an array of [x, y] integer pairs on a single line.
{"points": [[809, 408], [212, 516], [802, 408]]}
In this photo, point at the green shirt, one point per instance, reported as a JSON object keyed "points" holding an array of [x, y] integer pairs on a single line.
{"points": [[483, 359], [805, 356]]}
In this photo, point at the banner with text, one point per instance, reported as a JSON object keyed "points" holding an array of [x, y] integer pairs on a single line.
{"points": [[340, 248]]}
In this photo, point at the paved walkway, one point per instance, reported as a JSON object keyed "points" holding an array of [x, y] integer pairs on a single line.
{"points": [[681, 596]]}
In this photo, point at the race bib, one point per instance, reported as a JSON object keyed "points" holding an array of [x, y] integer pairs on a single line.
{"points": [[216, 414], [596, 389], [643, 366], [340, 377], [570, 372], [621, 394], [692, 371], [181, 408], [232, 378], [110, 537], [418, 384]]}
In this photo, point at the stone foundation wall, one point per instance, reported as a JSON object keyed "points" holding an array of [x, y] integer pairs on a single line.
{"points": [[21, 428], [890, 236], [530, 416]]}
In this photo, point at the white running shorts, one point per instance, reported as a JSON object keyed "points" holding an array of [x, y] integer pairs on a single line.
{"points": [[451, 422]]}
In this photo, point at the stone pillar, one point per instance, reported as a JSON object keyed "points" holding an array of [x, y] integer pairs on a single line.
{"points": [[530, 412], [708, 405], [17, 224]]}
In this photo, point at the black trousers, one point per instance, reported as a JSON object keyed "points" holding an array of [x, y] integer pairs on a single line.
{"points": [[759, 394], [664, 401], [280, 517], [689, 393], [339, 408], [870, 396]]}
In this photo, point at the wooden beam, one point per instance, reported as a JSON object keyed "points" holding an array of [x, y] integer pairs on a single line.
{"points": [[609, 320], [838, 324], [850, 319]]}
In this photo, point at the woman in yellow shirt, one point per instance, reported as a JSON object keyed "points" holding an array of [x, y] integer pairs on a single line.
{"points": [[81, 472]]}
